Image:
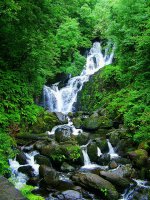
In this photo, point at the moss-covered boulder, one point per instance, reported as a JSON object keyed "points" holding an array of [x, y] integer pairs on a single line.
{"points": [[77, 122], [83, 138], [139, 157], [92, 151], [115, 179], [63, 134], [45, 122], [95, 122], [102, 144], [95, 182], [145, 145]]}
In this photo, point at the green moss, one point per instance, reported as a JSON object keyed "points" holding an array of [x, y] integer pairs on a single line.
{"points": [[27, 192]]}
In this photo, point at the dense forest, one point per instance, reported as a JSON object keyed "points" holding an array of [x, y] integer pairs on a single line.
{"points": [[45, 38]]}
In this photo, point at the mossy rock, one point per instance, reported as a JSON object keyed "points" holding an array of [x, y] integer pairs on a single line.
{"points": [[95, 122], [92, 151], [139, 157], [77, 122], [45, 122], [145, 145]]}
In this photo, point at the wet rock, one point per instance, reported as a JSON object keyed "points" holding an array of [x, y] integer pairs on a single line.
{"points": [[22, 158], [49, 175], [93, 123], [113, 164], [102, 144], [93, 181], [45, 121], [63, 134], [39, 145], [104, 159], [115, 179], [77, 122], [33, 181], [67, 168], [114, 137], [8, 191], [126, 171], [42, 160], [92, 151], [123, 146], [28, 170], [72, 195], [83, 138], [62, 117], [139, 157]]}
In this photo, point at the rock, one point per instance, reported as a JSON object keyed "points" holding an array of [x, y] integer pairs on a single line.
{"points": [[62, 117], [72, 195], [103, 145], [45, 122], [123, 146], [67, 168], [63, 134], [104, 159], [42, 160], [82, 138], [50, 176], [39, 145], [115, 179], [126, 171], [114, 137], [93, 123], [139, 157], [22, 158], [93, 181], [77, 122], [113, 164], [8, 191], [92, 151], [33, 181], [27, 169]]}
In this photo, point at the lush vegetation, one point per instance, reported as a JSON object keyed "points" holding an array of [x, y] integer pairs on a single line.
{"points": [[40, 39], [123, 89], [27, 192]]}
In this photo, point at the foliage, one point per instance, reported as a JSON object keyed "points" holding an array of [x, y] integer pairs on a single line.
{"points": [[27, 192], [74, 152], [104, 191]]}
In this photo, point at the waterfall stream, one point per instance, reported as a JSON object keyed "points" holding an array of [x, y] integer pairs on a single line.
{"points": [[62, 100]]}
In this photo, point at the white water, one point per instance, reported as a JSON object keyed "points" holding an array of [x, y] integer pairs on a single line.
{"points": [[111, 150], [62, 100], [99, 153], [19, 178]]}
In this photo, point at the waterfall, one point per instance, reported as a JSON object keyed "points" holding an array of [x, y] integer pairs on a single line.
{"points": [[99, 153], [111, 150], [86, 157], [62, 100]]}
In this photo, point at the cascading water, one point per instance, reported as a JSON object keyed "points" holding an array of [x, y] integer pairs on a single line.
{"points": [[62, 100], [111, 150]]}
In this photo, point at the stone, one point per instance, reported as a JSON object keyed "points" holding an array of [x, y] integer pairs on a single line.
{"points": [[77, 122], [120, 182], [126, 171], [139, 157], [65, 167], [49, 175], [92, 151], [27, 169], [95, 182], [103, 145], [42, 160], [63, 134], [83, 138], [8, 191], [21, 158], [91, 123], [104, 159], [113, 164], [72, 195]]}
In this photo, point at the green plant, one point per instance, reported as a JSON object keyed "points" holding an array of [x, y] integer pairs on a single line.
{"points": [[74, 152], [104, 191], [27, 192]]}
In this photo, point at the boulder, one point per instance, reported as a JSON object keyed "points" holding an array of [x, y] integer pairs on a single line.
{"points": [[42, 160], [126, 171], [22, 158], [95, 182], [104, 159], [27, 169], [96, 122], [49, 175], [33, 181], [92, 151], [8, 191], [102, 144], [72, 195], [113, 164], [115, 179], [77, 122], [139, 157], [82, 138], [63, 134], [65, 167]]}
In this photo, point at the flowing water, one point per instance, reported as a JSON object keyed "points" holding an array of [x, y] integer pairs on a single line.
{"points": [[111, 150], [62, 100]]}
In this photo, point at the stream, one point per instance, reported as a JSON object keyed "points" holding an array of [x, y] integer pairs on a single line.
{"points": [[63, 101]]}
